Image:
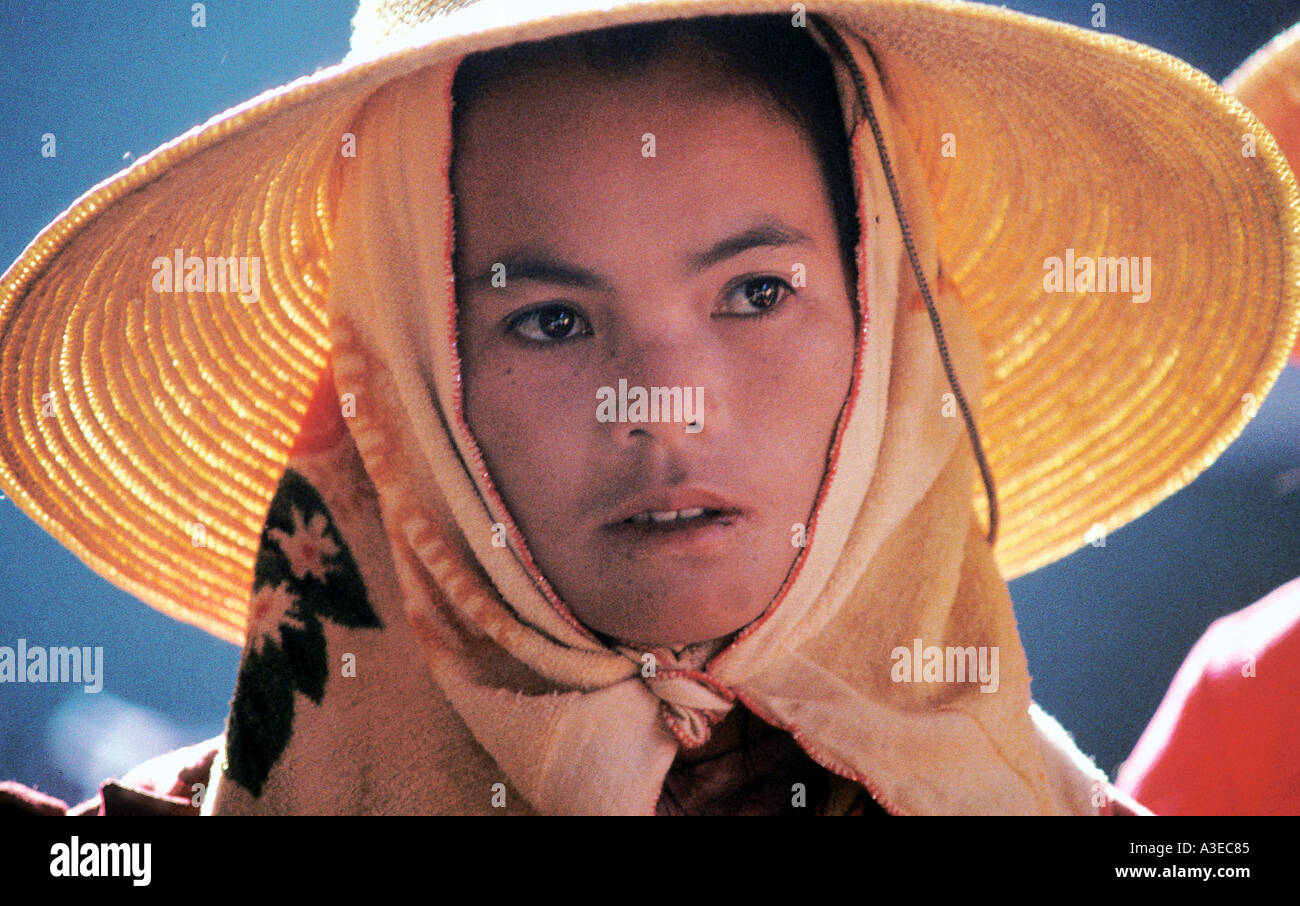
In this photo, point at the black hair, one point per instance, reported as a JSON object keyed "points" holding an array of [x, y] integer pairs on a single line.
{"points": [[768, 54]]}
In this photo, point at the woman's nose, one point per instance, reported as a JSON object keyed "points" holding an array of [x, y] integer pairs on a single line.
{"points": [[658, 388]]}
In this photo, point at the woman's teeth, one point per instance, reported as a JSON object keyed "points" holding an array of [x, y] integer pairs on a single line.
{"points": [[650, 516]]}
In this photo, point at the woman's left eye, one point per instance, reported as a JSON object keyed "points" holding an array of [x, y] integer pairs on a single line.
{"points": [[757, 296]]}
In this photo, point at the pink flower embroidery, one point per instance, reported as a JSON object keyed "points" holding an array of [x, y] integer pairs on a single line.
{"points": [[307, 547], [271, 599]]}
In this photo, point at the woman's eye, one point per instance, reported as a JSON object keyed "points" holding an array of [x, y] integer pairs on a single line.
{"points": [[549, 324], [757, 295]]}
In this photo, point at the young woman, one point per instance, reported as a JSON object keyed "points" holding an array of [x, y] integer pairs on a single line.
{"points": [[653, 360]]}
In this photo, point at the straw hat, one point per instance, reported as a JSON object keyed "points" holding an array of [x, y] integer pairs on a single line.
{"points": [[1268, 82], [146, 426]]}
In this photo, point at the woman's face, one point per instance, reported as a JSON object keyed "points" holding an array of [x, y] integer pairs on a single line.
{"points": [[660, 231]]}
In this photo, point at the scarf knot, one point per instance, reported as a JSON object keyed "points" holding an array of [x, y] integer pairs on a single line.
{"points": [[691, 702]]}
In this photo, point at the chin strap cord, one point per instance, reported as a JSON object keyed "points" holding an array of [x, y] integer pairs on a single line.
{"points": [[834, 39]]}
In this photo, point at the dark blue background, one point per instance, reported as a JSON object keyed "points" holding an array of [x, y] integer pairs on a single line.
{"points": [[1105, 629]]}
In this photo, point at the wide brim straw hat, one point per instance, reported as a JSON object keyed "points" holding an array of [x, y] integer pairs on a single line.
{"points": [[1268, 82], [147, 430]]}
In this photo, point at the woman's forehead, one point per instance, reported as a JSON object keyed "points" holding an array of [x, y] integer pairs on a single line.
{"points": [[676, 74], [647, 167], [678, 138]]}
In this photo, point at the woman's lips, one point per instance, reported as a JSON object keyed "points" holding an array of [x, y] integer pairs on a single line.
{"points": [[670, 506], [702, 534], [683, 521], [679, 520]]}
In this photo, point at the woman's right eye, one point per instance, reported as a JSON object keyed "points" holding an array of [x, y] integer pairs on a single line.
{"points": [[549, 324]]}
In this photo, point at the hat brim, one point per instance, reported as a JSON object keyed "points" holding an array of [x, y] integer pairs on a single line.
{"points": [[172, 414]]}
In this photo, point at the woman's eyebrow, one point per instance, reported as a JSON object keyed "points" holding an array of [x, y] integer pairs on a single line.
{"points": [[771, 233], [541, 267]]}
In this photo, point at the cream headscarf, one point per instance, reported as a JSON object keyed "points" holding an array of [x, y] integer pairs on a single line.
{"points": [[473, 690]]}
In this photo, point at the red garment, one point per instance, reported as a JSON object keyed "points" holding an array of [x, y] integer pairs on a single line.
{"points": [[1226, 738]]}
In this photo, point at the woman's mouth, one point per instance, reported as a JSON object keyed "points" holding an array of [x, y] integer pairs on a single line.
{"points": [[690, 527], [673, 507], [670, 519]]}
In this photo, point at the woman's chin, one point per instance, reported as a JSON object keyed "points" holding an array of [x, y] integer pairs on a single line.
{"points": [[674, 621]]}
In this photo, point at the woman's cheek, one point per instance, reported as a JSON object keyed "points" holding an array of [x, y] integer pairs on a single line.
{"points": [[793, 377], [805, 384], [532, 413]]}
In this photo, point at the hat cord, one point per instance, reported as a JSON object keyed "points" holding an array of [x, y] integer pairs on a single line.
{"points": [[864, 99]]}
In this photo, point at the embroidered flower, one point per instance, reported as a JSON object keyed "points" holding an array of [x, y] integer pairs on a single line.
{"points": [[278, 665], [271, 599], [307, 547]]}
